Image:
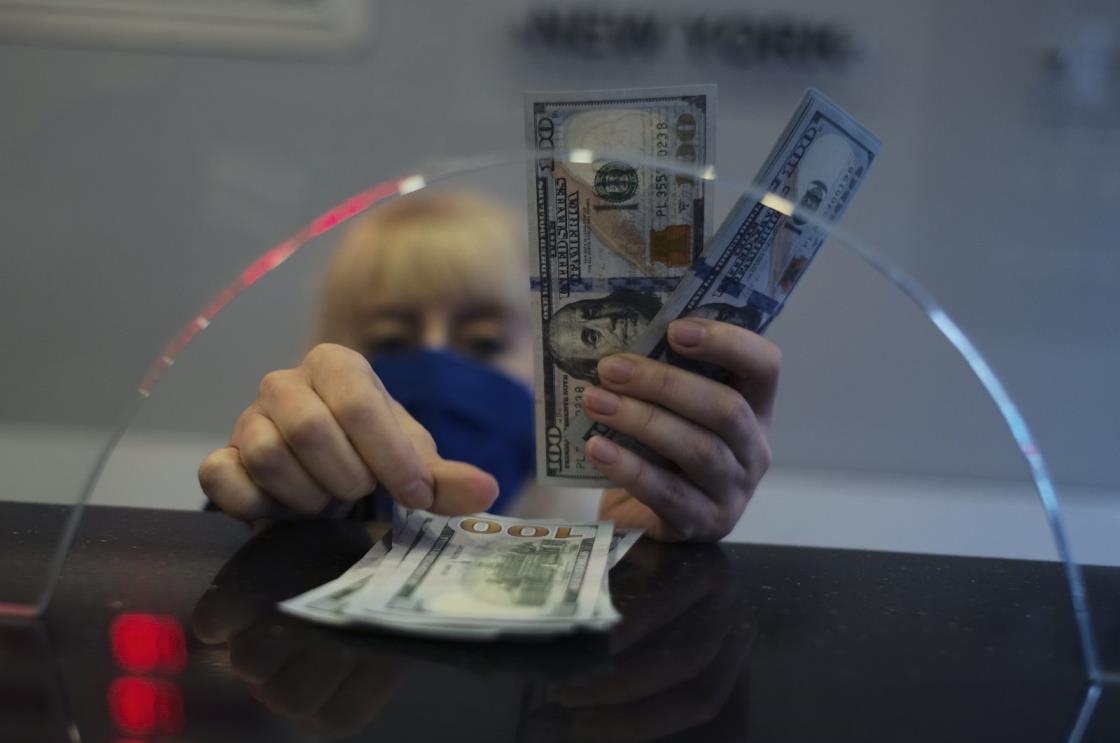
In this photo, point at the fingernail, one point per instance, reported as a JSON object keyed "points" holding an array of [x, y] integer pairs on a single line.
{"points": [[686, 333], [600, 401], [603, 450], [617, 369], [417, 495]]}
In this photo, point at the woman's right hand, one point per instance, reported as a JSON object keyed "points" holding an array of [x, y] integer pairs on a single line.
{"points": [[327, 433]]}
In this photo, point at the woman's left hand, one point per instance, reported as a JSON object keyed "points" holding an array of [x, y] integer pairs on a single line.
{"points": [[714, 432]]}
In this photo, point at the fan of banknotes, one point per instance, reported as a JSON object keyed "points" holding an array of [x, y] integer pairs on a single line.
{"points": [[623, 244], [476, 577]]}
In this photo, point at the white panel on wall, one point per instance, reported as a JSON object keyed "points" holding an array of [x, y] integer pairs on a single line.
{"points": [[275, 28], [149, 180]]}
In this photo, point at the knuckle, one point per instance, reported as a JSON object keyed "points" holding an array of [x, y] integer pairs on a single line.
{"points": [[707, 454], [733, 413], [423, 438], [639, 475], [323, 353], [311, 432], [272, 384], [328, 356], [420, 438], [353, 413], [662, 382], [310, 503], [243, 421], [770, 362], [727, 518], [673, 493], [355, 486], [765, 458], [211, 472], [648, 418], [264, 460], [687, 531]]}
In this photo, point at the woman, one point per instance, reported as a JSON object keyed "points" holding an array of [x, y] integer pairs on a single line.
{"points": [[425, 339]]}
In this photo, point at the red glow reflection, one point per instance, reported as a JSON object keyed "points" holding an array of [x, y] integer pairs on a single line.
{"points": [[143, 643], [265, 263], [142, 706]]}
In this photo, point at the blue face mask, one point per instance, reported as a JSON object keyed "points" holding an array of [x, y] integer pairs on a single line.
{"points": [[475, 413]]}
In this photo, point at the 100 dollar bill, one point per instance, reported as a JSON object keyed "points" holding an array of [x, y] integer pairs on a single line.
{"points": [[493, 571], [327, 603], [340, 601], [762, 249], [610, 237]]}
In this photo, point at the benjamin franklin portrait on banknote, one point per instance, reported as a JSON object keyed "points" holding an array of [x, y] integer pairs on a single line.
{"points": [[582, 332]]}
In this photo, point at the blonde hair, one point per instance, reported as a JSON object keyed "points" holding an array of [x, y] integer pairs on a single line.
{"points": [[425, 248]]}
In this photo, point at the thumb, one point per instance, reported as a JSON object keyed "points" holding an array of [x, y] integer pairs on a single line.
{"points": [[460, 488]]}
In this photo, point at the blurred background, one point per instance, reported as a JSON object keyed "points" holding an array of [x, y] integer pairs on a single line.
{"points": [[150, 150]]}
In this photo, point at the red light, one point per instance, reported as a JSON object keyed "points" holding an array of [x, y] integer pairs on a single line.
{"points": [[141, 706], [143, 643]]}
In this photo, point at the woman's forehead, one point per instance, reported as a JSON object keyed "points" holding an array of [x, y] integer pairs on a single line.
{"points": [[460, 309], [449, 287]]}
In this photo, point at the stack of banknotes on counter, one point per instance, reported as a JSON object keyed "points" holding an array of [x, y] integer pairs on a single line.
{"points": [[476, 578]]}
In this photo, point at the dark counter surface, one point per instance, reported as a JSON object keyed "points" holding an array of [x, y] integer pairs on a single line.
{"points": [[735, 642]]}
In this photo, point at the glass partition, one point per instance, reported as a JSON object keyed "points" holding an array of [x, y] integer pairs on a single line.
{"points": [[881, 392]]}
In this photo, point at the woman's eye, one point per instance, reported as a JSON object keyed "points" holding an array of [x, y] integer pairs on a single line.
{"points": [[484, 347], [590, 337], [388, 344]]}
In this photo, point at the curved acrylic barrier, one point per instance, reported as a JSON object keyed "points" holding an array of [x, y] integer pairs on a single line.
{"points": [[867, 352]]}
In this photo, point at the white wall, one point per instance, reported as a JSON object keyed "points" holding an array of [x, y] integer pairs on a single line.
{"points": [[799, 506], [134, 185]]}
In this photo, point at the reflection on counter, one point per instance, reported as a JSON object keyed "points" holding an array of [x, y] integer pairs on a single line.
{"points": [[740, 642], [673, 667]]}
